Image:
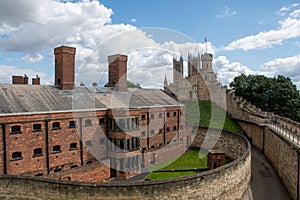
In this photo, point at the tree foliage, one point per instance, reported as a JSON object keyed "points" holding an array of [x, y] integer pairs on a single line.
{"points": [[277, 94]]}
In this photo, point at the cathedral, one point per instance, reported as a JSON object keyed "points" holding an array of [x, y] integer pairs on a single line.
{"points": [[199, 82]]}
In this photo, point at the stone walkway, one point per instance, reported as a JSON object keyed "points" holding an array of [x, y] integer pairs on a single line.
{"points": [[265, 183]]}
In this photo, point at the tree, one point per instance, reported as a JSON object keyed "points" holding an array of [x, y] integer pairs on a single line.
{"points": [[277, 94]]}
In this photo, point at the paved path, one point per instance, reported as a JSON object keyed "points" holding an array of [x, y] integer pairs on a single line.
{"points": [[265, 183]]}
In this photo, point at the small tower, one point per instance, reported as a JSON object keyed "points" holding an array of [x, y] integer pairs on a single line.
{"points": [[207, 70], [177, 71], [65, 67]]}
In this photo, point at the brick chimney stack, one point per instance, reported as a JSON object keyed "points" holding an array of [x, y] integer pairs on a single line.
{"points": [[20, 79], [65, 67], [117, 75], [36, 80]]}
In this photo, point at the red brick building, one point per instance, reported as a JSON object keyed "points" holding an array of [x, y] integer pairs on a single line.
{"points": [[87, 133]]}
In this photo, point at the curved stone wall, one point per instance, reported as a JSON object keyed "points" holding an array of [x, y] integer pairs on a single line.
{"points": [[228, 182]]}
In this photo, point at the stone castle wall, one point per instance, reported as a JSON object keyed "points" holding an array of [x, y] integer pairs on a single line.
{"points": [[278, 141], [228, 182]]}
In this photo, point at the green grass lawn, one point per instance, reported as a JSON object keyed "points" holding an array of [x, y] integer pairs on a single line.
{"points": [[190, 159], [210, 116]]}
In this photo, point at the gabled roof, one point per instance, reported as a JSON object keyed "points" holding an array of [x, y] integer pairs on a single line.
{"points": [[37, 98]]}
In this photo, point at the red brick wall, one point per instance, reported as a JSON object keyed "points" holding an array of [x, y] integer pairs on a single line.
{"points": [[96, 172], [28, 140]]}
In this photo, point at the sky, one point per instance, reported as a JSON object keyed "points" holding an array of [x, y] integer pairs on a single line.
{"points": [[250, 37]]}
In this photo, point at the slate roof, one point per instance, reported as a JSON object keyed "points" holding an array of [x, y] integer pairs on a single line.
{"points": [[37, 98]]}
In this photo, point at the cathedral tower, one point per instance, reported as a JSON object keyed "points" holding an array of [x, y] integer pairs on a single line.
{"points": [[193, 65], [177, 70]]}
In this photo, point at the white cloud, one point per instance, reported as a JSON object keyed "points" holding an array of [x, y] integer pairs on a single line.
{"points": [[227, 12], [285, 66], [226, 70], [284, 10], [33, 59], [133, 20], [289, 28]]}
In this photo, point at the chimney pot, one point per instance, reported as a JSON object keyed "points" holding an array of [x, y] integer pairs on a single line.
{"points": [[95, 84], [82, 84], [36, 80]]}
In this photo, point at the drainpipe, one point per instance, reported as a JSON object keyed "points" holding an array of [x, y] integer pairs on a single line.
{"points": [[80, 141], [47, 145], [4, 148]]}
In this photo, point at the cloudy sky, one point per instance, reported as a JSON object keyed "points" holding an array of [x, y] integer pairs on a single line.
{"points": [[253, 37]]}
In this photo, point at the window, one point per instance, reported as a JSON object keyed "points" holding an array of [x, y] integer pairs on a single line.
{"points": [[16, 155], [37, 152], [181, 127], [16, 129], [174, 114], [102, 141], [160, 115], [122, 124], [168, 114], [56, 149], [88, 143], [89, 162], [143, 117], [102, 121], [152, 132], [168, 129], [37, 127], [152, 116], [72, 124], [73, 146], [160, 131], [55, 125], [180, 113], [174, 128], [143, 134], [88, 122]]}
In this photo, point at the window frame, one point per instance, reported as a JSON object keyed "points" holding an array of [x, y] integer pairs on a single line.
{"points": [[19, 131], [88, 143], [54, 127], [88, 122], [56, 151], [101, 121], [34, 129], [73, 146], [36, 154], [14, 157], [71, 125]]}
